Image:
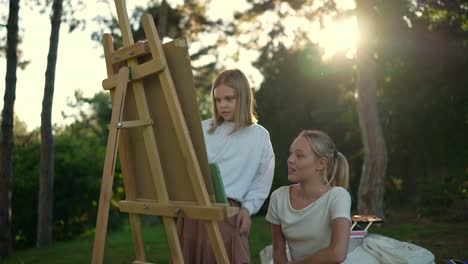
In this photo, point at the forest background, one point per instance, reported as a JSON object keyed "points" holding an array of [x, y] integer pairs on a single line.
{"points": [[418, 54]]}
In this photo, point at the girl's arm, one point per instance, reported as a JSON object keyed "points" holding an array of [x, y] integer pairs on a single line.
{"points": [[338, 249], [256, 195], [260, 186], [279, 245]]}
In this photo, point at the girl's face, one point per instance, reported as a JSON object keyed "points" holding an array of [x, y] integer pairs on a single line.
{"points": [[302, 163], [225, 101]]}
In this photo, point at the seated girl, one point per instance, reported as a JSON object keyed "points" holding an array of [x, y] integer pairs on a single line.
{"points": [[311, 218]]}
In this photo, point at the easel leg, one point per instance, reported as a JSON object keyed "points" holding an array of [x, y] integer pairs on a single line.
{"points": [[137, 237], [173, 240], [109, 169], [130, 193], [212, 229]]}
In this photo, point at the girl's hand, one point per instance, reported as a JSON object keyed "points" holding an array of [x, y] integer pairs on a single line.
{"points": [[243, 221]]}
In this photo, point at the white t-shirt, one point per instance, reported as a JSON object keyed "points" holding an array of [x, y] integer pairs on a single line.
{"points": [[309, 229], [245, 159]]}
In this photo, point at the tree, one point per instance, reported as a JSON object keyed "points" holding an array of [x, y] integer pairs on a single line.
{"points": [[6, 163], [371, 186], [162, 22], [45, 220]]}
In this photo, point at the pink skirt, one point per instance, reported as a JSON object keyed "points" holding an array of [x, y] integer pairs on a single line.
{"points": [[196, 246]]}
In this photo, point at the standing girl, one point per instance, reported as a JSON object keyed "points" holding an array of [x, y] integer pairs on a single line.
{"points": [[312, 217], [243, 152]]}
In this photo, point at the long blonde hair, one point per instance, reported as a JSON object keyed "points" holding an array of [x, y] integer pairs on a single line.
{"points": [[245, 110], [336, 172]]}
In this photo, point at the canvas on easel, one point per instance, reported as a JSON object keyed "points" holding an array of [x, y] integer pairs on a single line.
{"points": [[155, 126]]}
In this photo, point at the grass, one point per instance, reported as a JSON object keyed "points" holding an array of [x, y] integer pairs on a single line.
{"points": [[444, 239]]}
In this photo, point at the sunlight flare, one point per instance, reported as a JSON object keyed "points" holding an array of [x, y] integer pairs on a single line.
{"points": [[338, 37]]}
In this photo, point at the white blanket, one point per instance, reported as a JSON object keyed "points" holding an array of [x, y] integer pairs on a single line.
{"points": [[377, 249], [381, 249]]}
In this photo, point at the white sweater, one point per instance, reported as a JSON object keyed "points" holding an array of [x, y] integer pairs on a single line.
{"points": [[245, 159]]}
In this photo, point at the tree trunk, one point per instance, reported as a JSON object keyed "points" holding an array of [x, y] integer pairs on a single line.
{"points": [[162, 19], [371, 187], [6, 151], [46, 190]]}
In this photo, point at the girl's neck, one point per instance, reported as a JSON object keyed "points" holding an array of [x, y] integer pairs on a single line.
{"points": [[312, 190]]}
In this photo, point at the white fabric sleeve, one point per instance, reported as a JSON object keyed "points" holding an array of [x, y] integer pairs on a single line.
{"points": [[272, 214], [340, 204], [261, 185]]}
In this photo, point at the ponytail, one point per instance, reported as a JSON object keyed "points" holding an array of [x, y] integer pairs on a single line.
{"points": [[340, 173]]}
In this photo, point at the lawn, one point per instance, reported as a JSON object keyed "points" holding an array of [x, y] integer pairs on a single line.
{"points": [[444, 239]]}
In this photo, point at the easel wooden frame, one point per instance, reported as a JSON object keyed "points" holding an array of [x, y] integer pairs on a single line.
{"points": [[132, 75]]}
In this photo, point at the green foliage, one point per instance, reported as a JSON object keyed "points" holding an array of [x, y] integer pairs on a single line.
{"points": [[444, 14], [79, 159], [26, 168], [204, 103], [302, 92], [422, 98]]}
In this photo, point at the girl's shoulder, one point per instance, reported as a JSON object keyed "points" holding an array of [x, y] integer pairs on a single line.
{"points": [[258, 130], [339, 192], [281, 192], [207, 124]]}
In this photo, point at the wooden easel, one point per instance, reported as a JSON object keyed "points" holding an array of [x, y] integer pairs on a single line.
{"points": [[156, 127]]}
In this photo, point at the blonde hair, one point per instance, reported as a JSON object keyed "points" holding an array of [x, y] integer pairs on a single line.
{"points": [[336, 173], [245, 110]]}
